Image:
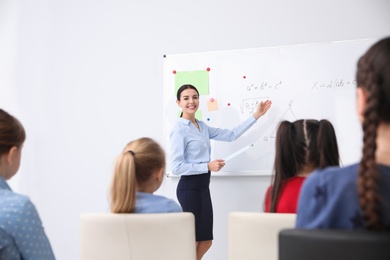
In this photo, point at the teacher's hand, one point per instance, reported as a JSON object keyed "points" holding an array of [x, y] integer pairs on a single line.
{"points": [[216, 165], [262, 108]]}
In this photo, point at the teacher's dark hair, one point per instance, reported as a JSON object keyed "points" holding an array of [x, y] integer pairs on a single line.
{"points": [[300, 144], [12, 132], [373, 76], [181, 89]]}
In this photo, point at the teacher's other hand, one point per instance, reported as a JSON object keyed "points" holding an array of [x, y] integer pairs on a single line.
{"points": [[216, 165]]}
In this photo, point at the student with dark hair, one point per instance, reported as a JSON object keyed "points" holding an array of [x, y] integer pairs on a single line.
{"points": [[358, 196], [139, 172], [190, 155], [301, 147], [22, 235]]}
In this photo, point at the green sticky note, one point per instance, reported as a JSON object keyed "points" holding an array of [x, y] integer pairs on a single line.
{"points": [[197, 78]]}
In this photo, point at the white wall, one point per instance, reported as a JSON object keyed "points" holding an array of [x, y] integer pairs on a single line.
{"points": [[85, 77]]}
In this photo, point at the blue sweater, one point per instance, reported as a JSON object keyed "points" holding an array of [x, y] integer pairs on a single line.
{"points": [[329, 199]]}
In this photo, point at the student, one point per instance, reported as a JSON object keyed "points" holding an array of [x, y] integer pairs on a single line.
{"points": [[22, 235], [358, 196], [139, 171], [301, 147], [190, 154]]}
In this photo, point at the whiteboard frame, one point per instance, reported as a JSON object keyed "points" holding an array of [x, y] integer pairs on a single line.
{"points": [[196, 58]]}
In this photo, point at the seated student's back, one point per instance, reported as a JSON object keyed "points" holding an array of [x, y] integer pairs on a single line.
{"points": [[8, 248], [358, 196], [138, 173], [301, 147], [21, 231]]}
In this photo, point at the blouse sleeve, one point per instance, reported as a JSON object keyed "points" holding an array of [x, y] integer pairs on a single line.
{"points": [[231, 134]]}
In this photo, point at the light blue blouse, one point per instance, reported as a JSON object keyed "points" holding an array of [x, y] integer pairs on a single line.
{"points": [[22, 235], [190, 148], [150, 203]]}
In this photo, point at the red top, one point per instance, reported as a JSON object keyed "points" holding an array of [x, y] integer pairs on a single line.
{"points": [[289, 194]]}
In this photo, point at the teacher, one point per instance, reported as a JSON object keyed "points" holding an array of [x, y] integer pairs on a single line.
{"points": [[190, 155]]}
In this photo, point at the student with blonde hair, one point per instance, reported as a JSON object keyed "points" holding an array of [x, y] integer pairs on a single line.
{"points": [[138, 173]]}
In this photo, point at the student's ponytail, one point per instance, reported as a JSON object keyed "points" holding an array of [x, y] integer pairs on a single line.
{"points": [[327, 145], [285, 160], [368, 175], [373, 76], [124, 184]]}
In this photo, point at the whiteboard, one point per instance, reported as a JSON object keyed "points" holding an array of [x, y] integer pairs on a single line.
{"points": [[314, 81]]}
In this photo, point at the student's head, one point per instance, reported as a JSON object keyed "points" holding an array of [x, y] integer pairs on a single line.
{"points": [[12, 136], [187, 94], [373, 103], [301, 147], [140, 167]]}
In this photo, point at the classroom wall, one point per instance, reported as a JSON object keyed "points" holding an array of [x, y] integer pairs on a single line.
{"points": [[85, 77]]}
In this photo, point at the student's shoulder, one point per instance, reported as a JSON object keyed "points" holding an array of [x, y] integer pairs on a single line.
{"points": [[18, 206], [15, 199], [334, 175], [162, 198], [171, 205], [337, 172]]}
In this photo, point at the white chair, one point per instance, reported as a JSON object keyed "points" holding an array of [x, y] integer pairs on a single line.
{"points": [[160, 236], [254, 235]]}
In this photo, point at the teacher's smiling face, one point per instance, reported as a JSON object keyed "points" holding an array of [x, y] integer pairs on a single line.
{"points": [[189, 103]]}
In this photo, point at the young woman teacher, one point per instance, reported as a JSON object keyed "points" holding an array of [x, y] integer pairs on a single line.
{"points": [[190, 155]]}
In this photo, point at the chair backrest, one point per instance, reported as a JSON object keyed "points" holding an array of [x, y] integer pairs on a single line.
{"points": [[137, 236], [254, 235], [325, 244]]}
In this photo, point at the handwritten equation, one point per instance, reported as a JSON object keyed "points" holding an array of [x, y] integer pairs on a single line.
{"points": [[334, 84], [331, 84], [263, 85]]}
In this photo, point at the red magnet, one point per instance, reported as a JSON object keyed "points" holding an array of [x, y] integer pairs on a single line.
{"points": [[208, 69], [174, 71]]}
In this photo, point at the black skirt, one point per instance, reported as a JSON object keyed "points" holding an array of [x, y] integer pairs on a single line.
{"points": [[193, 194]]}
